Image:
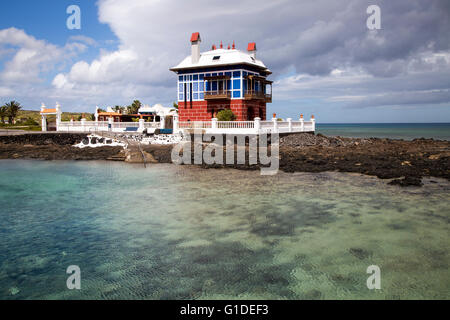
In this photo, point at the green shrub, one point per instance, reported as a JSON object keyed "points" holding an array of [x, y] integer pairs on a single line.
{"points": [[226, 115], [30, 122]]}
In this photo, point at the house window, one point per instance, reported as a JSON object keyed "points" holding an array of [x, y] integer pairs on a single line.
{"points": [[216, 58], [236, 84]]}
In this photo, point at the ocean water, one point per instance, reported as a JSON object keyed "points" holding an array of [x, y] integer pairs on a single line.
{"points": [[179, 232], [406, 131]]}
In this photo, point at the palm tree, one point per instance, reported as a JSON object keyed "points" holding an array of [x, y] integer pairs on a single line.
{"points": [[134, 108], [3, 113], [13, 109]]}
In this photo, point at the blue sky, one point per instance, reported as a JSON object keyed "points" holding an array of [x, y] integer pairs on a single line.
{"points": [[324, 59]]}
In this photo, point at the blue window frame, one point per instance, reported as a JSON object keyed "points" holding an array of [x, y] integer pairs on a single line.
{"points": [[229, 84], [236, 74], [195, 77], [180, 78], [237, 84], [195, 86], [180, 87], [202, 96], [208, 86], [181, 96], [236, 94], [228, 74], [195, 96], [200, 86], [214, 85], [201, 77]]}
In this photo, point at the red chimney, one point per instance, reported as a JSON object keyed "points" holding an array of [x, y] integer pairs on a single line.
{"points": [[213, 47], [234, 45], [221, 45], [229, 47], [252, 49]]}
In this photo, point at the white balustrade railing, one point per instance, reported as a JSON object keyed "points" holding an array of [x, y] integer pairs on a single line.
{"points": [[243, 127], [124, 125], [194, 124], [235, 124], [150, 125]]}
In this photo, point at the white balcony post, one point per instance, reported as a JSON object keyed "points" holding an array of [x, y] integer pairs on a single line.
{"points": [[302, 123], [141, 125], [313, 121], [110, 123], [289, 120], [83, 124], [257, 124], [275, 123], [96, 114], [214, 123], [162, 122]]}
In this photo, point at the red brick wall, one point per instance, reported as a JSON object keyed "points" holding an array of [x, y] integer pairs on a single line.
{"points": [[204, 110]]}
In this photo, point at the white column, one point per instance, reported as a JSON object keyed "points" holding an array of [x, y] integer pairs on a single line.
{"points": [[257, 124], [275, 124], [313, 120], [214, 123], [289, 120], [141, 125], [83, 124], [58, 115], [175, 124], [110, 123], [302, 124], [44, 123], [162, 122], [96, 114]]}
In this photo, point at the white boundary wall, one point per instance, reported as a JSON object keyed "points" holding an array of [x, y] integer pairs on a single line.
{"points": [[248, 127], [214, 127]]}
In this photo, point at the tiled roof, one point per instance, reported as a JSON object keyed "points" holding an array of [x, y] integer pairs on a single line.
{"points": [[49, 111]]}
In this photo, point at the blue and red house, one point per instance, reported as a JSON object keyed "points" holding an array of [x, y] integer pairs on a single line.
{"points": [[222, 79]]}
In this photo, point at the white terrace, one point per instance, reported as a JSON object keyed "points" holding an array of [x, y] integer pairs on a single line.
{"points": [[214, 126]]}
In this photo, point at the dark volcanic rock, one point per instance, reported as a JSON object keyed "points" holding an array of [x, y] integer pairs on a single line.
{"points": [[407, 181], [51, 146], [44, 138]]}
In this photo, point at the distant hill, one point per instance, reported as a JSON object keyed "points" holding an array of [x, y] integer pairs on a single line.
{"points": [[66, 116]]}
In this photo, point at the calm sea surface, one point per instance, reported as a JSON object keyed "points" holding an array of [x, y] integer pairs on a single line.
{"points": [[171, 232], [406, 131]]}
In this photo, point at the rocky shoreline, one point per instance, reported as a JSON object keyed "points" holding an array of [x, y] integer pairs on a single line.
{"points": [[405, 161]]}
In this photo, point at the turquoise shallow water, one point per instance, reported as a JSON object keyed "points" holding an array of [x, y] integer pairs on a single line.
{"points": [[170, 232], [406, 131]]}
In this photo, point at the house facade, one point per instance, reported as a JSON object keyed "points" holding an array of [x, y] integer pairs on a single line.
{"points": [[222, 79]]}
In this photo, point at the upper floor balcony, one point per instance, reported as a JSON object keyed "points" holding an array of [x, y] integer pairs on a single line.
{"points": [[217, 94], [257, 95]]}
